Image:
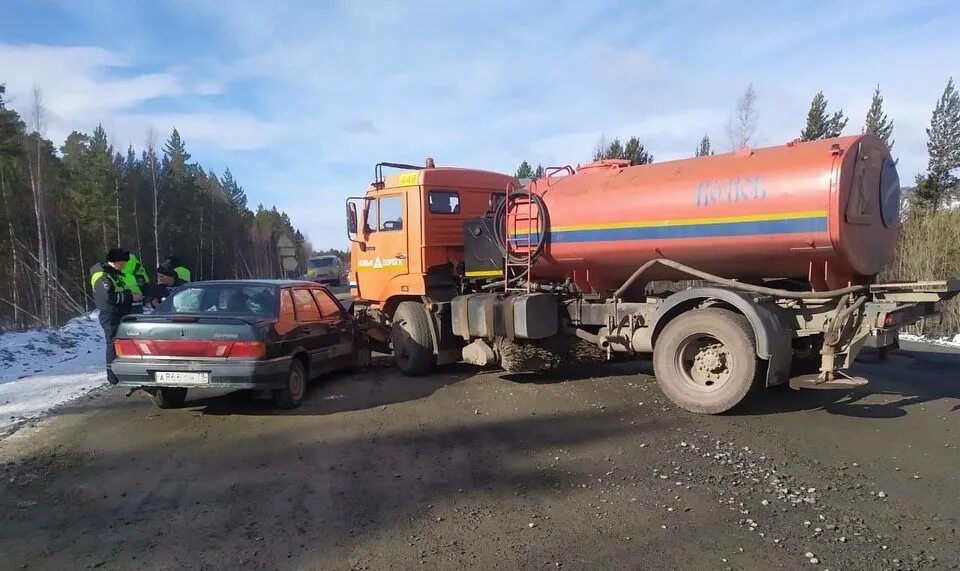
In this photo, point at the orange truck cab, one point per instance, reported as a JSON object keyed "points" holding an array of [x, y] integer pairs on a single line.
{"points": [[407, 256]]}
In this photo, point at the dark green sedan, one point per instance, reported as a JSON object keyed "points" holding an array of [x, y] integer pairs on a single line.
{"points": [[269, 335]]}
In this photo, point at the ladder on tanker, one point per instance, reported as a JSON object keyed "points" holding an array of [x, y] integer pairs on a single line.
{"points": [[522, 235]]}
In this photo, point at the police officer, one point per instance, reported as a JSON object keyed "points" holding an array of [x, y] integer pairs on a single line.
{"points": [[183, 272], [136, 279], [167, 281], [112, 298]]}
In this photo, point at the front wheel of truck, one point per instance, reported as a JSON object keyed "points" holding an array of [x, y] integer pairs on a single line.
{"points": [[411, 339]]}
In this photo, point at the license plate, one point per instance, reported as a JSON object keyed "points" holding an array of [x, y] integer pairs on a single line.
{"points": [[181, 377]]}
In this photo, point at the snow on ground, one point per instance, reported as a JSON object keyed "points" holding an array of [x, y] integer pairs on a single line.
{"points": [[943, 341], [43, 368]]}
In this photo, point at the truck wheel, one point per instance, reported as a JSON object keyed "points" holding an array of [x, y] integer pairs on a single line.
{"points": [[169, 397], [411, 340], [706, 361], [291, 395]]}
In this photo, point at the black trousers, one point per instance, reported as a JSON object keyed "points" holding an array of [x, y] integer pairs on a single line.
{"points": [[109, 334]]}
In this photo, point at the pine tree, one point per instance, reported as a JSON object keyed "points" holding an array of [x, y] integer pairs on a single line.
{"points": [[636, 153], [939, 184], [524, 171], [877, 122], [233, 191], [614, 149], [704, 148], [538, 172], [820, 125]]}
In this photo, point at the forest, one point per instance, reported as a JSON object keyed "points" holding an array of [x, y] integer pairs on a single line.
{"points": [[62, 207]]}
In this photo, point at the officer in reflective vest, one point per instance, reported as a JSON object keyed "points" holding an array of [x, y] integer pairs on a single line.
{"points": [[112, 298], [182, 271], [136, 279]]}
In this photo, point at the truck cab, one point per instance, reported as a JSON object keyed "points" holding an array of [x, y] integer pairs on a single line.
{"points": [[407, 235]]}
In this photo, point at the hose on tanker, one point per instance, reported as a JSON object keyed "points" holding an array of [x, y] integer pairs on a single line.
{"points": [[500, 238], [733, 284]]}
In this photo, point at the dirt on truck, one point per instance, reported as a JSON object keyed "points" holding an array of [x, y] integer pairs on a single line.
{"points": [[786, 243]]}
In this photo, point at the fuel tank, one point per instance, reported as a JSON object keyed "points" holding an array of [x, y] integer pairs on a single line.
{"points": [[826, 211]]}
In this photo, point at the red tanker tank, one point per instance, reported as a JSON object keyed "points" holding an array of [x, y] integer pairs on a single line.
{"points": [[826, 211]]}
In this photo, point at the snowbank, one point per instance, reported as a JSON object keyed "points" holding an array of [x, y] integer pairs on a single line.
{"points": [[943, 341], [43, 368]]}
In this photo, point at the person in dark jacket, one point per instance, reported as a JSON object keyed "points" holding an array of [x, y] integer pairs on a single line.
{"points": [[167, 281], [183, 272], [112, 298]]}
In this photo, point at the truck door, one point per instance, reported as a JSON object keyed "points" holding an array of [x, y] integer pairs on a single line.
{"points": [[385, 231]]}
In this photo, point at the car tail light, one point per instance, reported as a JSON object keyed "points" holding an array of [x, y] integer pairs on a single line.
{"points": [[248, 349], [126, 348]]}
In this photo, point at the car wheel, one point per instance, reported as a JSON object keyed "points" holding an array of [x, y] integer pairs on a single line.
{"points": [[411, 339], [291, 395], [169, 397], [705, 361]]}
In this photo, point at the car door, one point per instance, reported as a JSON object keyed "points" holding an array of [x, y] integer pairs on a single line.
{"points": [[339, 324], [317, 337]]}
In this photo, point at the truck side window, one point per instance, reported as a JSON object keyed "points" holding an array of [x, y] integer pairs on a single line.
{"points": [[444, 202], [391, 213]]}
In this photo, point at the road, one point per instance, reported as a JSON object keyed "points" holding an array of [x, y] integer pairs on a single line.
{"points": [[592, 470]]}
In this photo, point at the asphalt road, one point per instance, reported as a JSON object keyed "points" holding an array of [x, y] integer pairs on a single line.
{"points": [[594, 470]]}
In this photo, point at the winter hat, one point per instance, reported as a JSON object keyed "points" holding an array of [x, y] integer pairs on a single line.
{"points": [[118, 255], [167, 270]]}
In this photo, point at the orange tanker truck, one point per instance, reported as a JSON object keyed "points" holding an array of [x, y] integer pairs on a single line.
{"points": [[785, 243]]}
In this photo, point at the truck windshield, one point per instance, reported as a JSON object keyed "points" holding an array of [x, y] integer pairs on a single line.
{"points": [[226, 298], [321, 262]]}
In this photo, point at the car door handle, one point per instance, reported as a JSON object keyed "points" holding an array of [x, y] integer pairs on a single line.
{"points": [[307, 329]]}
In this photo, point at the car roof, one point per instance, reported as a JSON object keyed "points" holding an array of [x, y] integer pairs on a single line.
{"points": [[273, 282]]}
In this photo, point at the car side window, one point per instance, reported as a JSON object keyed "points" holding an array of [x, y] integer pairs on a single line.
{"points": [[306, 306], [328, 306], [287, 319]]}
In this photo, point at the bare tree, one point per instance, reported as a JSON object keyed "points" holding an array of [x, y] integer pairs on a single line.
{"points": [[742, 126], [152, 158], [38, 117]]}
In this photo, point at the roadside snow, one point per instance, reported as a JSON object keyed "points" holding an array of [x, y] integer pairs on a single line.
{"points": [[943, 341], [43, 368]]}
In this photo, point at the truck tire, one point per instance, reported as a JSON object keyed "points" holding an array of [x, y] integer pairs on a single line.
{"points": [[291, 395], [169, 397], [411, 339], [706, 360]]}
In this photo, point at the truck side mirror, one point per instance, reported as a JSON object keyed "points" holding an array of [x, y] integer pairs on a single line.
{"points": [[352, 220]]}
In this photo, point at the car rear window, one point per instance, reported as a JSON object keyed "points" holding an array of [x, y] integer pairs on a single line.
{"points": [[233, 299], [321, 262]]}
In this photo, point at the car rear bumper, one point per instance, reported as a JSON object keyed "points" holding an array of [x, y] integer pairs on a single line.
{"points": [[223, 374]]}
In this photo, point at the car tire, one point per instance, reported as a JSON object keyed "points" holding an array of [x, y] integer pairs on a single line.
{"points": [[169, 397], [705, 361], [411, 339], [295, 387], [336, 282]]}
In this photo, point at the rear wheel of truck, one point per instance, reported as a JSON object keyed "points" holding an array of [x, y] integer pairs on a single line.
{"points": [[411, 339], [291, 395], [706, 361], [169, 397]]}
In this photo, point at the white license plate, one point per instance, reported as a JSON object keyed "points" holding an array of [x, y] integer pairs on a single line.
{"points": [[181, 377]]}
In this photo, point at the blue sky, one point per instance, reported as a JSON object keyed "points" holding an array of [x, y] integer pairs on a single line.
{"points": [[301, 99]]}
